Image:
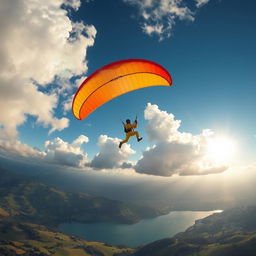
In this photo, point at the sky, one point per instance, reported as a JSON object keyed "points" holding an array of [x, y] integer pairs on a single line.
{"points": [[204, 124]]}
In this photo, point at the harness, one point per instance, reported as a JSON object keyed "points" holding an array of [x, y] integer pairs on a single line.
{"points": [[126, 130]]}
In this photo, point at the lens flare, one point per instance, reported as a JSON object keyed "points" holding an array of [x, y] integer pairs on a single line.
{"points": [[221, 149]]}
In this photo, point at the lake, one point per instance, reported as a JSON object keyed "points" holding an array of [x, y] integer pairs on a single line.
{"points": [[137, 234]]}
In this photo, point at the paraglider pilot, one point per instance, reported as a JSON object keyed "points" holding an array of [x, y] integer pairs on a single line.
{"points": [[129, 130]]}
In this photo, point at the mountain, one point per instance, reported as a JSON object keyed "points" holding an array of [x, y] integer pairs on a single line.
{"points": [[36, 202], [30, 212], [28, 239], [176, 193], [230, 233]]}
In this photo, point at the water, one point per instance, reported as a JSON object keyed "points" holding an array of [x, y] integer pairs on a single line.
{"points": [[134, 235]]}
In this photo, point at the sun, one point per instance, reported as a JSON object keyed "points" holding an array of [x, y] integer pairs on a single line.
{"points": [[221, 149]]}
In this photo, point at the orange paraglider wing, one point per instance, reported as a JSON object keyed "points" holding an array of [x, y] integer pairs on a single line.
{"points": [[115, 79]]}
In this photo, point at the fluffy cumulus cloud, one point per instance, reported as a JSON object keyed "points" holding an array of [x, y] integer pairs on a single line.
{"points": [[110, 156], [60, 152], [174, 152], [159, 16], [64, 153], [57, 151], [40, 45], [16, 148]]}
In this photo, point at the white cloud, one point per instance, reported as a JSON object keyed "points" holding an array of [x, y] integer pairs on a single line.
{"points": [[80, 140], [120, 171], [57, 151], [40, 45], [110, 156], [16, 148], [62, 153], [160, 16], [200, 3], [75, 4], [174, 152], [153, 29], [161, 126], [67, 105], [80, 80]]}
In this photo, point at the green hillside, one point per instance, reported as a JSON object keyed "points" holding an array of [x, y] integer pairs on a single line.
{"points": [[39, 203], [231, 233], [20, 238], [31, 211]]}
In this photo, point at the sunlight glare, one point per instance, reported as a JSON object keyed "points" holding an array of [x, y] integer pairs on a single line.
{"points": [[221, 149]]}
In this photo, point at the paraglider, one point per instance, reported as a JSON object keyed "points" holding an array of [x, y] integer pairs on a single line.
{"points": [[129, 130], [115, 79]]}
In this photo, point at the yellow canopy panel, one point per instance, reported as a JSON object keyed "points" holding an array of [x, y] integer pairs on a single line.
{"points": [[114, 80]]}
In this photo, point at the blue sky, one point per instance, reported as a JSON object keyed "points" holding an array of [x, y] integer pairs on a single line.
{"points": [[208, 48]]}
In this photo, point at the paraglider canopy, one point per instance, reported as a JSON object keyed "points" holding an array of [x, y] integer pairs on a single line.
{"points": [[115, 79]]}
